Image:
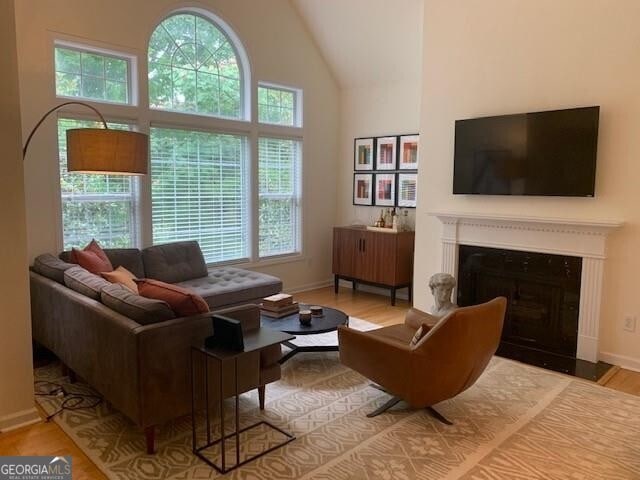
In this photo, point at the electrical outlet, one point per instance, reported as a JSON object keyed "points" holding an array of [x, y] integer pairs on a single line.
{"points": [[629, 324]]}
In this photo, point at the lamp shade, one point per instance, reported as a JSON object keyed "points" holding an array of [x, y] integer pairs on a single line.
{"points": [[108, 151]]}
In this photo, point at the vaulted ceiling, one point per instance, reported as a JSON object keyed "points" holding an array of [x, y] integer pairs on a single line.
{"points": [[367, 42]]}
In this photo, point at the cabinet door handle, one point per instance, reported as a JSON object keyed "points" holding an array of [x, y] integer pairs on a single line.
{"points": [[364, 246]]}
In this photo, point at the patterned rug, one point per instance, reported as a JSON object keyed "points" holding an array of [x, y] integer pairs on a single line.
{"points": [[517, 422]]}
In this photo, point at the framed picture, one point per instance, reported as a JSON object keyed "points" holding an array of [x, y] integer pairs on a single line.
{"points": [[409, 152], [363, 188], [386, 153], [385, 189], [363, 154], [407, 189]]}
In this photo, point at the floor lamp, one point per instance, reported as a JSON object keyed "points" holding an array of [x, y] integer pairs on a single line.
{"points": [[101, 150]]}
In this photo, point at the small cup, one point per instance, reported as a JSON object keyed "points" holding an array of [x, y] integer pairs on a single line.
{"points": [[305, 317], [316, 310]]}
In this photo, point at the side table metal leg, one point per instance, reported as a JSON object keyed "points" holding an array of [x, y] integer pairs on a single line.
{"points": [[193, 403], [222, 431], [235, 373], [206, 397]]}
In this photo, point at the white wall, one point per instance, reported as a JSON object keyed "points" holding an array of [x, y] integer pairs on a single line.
{"points": [[490, 57], [16, 375], [389, 109], [280, 50]]}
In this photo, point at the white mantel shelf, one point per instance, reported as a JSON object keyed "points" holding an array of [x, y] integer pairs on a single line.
{"points": [[596, 225], [574, 237]]}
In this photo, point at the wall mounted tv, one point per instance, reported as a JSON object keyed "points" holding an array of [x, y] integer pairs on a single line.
{"points": [[542, 153]]}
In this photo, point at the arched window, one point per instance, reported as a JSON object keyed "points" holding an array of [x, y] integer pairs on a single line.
{"points": [[194, 67], [200, 176]]}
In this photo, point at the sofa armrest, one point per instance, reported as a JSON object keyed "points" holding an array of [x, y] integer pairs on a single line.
{"points": [[380, 359]]}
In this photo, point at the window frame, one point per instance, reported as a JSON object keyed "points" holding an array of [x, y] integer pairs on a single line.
{"points": [[246, 140], [239, 49], [135, 212], [297, 198], [132, 71], [297, 104]]}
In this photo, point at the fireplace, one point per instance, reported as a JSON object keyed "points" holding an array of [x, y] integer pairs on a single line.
{"points": [[542, 291], [579, 239]]}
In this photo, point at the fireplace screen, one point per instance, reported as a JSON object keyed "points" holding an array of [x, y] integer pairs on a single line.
{"points": [[542, 290]]}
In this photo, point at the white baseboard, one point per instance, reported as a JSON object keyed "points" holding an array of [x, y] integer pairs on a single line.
{"points": [[309, 286], [19, 419], [630, 363], [404, 295]]}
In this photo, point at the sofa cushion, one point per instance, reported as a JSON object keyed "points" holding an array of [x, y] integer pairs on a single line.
{"points": [[129, 258], [174, 262], [122, 276], [92, 257], [84, 282], [136, 307], [51, 267], [230, 286], [182, 301]]}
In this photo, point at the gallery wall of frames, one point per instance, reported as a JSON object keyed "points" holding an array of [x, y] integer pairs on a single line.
{"points": [[386, 171]]}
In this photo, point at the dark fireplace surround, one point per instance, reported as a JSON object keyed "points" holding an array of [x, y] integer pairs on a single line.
{"points": [[542, 290]]}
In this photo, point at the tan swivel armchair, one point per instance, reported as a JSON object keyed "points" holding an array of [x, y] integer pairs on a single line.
{"points": [[445, 362]]}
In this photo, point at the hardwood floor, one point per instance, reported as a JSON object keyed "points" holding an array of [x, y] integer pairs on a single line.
{"points": [[49, 439]]}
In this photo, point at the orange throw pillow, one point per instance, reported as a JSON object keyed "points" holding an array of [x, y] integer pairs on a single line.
{"points": [[182, 301], [420, 333], [92, 258], [122, 276]]}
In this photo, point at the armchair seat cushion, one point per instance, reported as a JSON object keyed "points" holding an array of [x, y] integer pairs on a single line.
{"points": [[229, 286]]}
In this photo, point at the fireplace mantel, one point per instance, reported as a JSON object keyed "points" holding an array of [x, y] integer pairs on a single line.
{"points": [[580, 238]]}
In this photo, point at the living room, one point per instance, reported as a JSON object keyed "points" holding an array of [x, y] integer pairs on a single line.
{"points": [[344, 71]]}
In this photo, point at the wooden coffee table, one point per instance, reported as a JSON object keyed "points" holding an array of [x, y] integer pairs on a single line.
{"points": [[330, 320]]}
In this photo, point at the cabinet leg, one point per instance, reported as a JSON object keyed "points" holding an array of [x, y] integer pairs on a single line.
{"points": [[336, 283], [150, 437], [354, 285], [261, 393], [410, 292], [393, 296]]}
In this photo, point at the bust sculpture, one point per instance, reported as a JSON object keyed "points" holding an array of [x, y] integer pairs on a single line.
{"points": [[441, 285]]}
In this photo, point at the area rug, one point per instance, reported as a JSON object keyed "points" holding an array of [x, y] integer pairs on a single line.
{"points": [[517, 422]]}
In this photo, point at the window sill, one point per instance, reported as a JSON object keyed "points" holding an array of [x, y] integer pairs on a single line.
{"points": [[266, 262]]}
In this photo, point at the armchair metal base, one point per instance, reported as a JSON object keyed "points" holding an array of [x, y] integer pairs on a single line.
{"points": [[395, 399]]}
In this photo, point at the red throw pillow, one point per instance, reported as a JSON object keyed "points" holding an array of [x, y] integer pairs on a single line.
{"points": [[182, 301], [92, 258]]}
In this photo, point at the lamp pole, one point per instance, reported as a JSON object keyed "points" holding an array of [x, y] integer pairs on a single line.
{"points": [[26, 145]]}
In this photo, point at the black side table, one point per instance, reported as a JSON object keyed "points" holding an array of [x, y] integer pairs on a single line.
{"points": [[254, 340]]}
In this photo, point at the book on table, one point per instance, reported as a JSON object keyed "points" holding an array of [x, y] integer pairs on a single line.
{"points": [[278, 300], [283, 312], [277, 309]]}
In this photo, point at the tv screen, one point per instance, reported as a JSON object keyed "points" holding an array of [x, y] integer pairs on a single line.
{"points": [[542, 153]]}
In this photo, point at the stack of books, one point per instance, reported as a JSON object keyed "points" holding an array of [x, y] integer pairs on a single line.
{"points": [[279, 305]]}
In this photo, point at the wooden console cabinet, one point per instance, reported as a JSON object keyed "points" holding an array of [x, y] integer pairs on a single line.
{"points": [[382, 259]]}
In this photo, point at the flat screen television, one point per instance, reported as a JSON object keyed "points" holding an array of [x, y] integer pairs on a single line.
{"points": [[543, 153]]}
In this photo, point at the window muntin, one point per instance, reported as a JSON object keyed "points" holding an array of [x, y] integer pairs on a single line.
{"points": [[194, 68], [277, 105], [95, 206], [199, 190], [279, 196], [91, 75]]}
